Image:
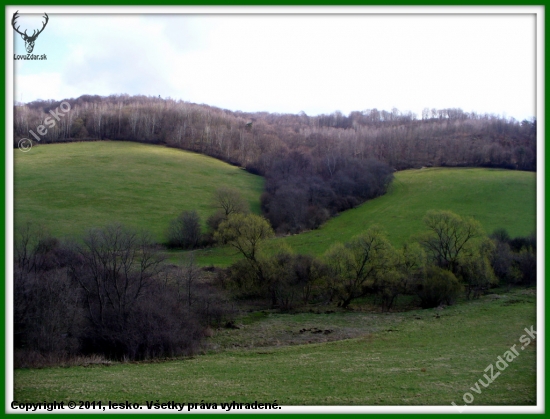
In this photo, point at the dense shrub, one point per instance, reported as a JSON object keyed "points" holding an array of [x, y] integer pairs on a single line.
{"points": [[184, 232], [47, 316], [214, 221], [475, 270], [109, 294], [294, 280], [156, 325], [518, 243], [283, 280], [514, 260], [439, 286], [409, 268], [527, 264], [504, 263], [243, 279]]}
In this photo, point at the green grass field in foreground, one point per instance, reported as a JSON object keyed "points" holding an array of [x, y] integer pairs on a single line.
{"points": [[410, 358], [497, 198], [70, 188]]}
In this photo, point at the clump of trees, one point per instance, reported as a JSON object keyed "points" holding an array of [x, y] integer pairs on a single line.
{"points": [[185, 231], [453, 256], [459, 245], [514, 260], [286, 279], [302, 190], [109, 293]]}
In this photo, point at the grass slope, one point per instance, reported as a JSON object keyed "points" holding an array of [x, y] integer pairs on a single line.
{"points": [[411, 358], [496, 198], [70, 188]]}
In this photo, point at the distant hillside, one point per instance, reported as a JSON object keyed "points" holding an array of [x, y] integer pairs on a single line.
{"points": [[72, 187]]}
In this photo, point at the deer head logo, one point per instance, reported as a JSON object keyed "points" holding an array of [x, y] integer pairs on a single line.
{"points": [[29, 40]]}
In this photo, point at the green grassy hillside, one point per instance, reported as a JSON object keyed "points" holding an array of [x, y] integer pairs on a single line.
{"points": [[72, 187], [447, 352], [496, 198]]}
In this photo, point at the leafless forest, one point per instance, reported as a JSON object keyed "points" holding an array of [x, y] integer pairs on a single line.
{"points": [[439, 137]]}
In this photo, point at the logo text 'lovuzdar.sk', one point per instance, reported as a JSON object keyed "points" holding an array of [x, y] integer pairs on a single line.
{"points": [[30, 57]]}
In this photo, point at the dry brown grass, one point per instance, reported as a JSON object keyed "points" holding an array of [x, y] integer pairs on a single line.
{"points": [[23, 358]]}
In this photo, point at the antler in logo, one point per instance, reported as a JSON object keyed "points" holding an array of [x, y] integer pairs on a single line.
{"points": [[29, 40]]}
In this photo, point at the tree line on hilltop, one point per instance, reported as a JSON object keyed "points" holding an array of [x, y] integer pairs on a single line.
{"points": [[441, 137]]}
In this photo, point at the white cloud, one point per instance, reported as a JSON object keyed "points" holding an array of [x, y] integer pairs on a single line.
{"points": [[288, 63]]}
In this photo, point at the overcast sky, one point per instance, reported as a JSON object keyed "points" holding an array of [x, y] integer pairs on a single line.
{"points": [[289, 63]]}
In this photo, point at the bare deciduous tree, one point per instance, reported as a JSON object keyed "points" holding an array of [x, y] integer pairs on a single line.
{"points": [[115, 267], [187, 277], [230, 201]]}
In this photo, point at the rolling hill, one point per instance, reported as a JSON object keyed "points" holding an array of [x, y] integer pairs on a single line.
{"points": [[70, 188]]}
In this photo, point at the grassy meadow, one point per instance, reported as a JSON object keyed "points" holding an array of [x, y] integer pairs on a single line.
{"points": [[420, 357], [70, 188], [496, 198], [320, 357]]}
